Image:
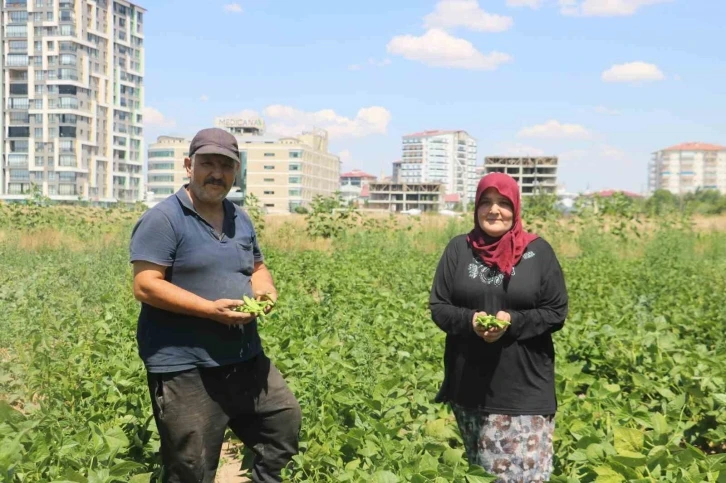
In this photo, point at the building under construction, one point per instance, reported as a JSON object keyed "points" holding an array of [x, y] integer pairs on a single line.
{"points": [[533, 174], [399, 197]]}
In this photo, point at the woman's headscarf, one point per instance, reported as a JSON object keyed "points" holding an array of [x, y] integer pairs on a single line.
{"points": [[503, 252]]}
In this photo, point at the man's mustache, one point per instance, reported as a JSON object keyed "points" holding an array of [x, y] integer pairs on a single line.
{"points": [[214, 181]]}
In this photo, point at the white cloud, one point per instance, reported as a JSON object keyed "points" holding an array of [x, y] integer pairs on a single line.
{"points": [[553, 129], [233, 8], [524, 3], [604, 8], [437, 48], [153, 117], [204, 98], [465, 13], [606, 110], [633, 72], [288, 121]]}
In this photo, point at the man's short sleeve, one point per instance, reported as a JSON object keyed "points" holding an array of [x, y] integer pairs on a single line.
{"points": [[153, 239]]}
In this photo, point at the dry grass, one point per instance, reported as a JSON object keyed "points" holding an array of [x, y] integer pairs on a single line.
{"points": [[288, 232]]}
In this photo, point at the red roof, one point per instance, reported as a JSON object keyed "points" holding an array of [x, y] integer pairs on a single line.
{"points": [[429, 133], [357, 173], [696, 147], [608, 193], [365, 191], [452, 198]]}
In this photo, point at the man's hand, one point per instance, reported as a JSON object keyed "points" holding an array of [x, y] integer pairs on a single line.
{"points": [[267, 294], [493, 334], [222, 311]]}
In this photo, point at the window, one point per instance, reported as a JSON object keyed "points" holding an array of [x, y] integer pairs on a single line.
{"points": [[294, 180], [67, 131], [20, 89], [18, 45], [18, 132], [161, 154], [19, 175], [269, 205], [269, 155], [67, 177], [39, 160], [68, 59], [38, 132], [161, 166], [38, 104], [16, 31], [161, 178], [295, 192], [67, 190], [16, 60], [295, 154], [17, 160], [294, 166], [269, 192], [269, 167], [67, 160], [19, 117], [269, 180]]}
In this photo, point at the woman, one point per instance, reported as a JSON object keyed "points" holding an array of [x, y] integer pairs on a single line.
{"points": [[500, 383]]}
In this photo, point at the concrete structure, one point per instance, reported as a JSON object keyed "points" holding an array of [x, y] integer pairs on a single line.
{"points": [[533, 174], [399, 197], [446, 157], [72, 83], [687, 167], [282, 173]]}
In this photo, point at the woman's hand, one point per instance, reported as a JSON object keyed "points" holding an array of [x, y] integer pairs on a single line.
{"points": [[493, 334]]}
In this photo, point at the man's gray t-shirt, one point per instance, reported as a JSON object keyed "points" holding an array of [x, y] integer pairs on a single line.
{"points": [[172, 234]]}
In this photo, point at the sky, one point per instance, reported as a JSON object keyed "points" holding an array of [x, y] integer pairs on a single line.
{"points": [[600, 83]]}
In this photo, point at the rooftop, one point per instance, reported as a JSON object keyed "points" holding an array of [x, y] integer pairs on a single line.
{"points": [[357, 173], [424, 134], [609, 193], [696, 146]]}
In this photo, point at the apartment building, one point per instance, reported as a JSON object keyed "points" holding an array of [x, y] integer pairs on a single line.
{"points": [[446, 157], [165, 169], [534, 175], [283, 173], [686, 167], [72, 83]]}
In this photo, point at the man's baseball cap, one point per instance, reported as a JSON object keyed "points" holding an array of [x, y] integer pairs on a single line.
{"points": [[214, 141]]}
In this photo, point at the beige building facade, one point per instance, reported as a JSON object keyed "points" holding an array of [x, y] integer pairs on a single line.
{"points": [[283, 173], [166, 173], [687, 167], [72, 82]]}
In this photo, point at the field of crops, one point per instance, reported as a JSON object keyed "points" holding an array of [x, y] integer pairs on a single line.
{"points": [[641, 378]]}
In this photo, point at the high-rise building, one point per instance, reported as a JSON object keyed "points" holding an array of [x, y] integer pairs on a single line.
{"points": [[446, 157], [534, 175], [687, 167], [72, 83], [281, 172]]}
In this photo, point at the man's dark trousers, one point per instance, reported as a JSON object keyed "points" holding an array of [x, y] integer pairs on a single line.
{"points": [[193, 408]]}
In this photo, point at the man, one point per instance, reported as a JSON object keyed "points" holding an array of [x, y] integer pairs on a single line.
{"points": [[195, 255]]}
